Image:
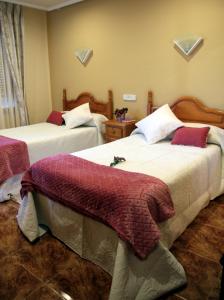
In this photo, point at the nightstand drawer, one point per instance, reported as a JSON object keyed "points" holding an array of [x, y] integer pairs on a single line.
{"points": [[117, 130], [114, 131]]}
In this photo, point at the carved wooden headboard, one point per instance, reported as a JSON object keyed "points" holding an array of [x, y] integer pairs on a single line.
{"points": [[190, 109], [105, 108]]}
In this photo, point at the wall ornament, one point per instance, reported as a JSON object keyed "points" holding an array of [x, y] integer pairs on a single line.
{"points": [[187, 44], [83, 55]]}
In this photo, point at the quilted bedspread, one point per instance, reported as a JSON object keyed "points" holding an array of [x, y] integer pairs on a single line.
{"points": [[131, 203], [14, 158]]}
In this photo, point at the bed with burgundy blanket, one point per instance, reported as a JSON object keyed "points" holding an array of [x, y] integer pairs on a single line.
{"points": [[132, 209], [51, 137], [42, 140], [136, 274]]}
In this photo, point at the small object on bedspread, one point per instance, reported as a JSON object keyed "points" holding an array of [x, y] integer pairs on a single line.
{"points": [[14, 158], [131, 203], [117, 160]]}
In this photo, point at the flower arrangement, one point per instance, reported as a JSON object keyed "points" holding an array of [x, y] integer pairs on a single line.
{"points": [[120, 114]]}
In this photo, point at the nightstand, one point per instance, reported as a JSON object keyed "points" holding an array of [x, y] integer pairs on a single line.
{"points": [[116, 130]]}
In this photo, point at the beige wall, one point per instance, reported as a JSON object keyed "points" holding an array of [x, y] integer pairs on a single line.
{"points": [[37, 75], [133, 50]]}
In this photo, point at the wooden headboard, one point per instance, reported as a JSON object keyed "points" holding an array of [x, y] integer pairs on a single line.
{"points": [[96, 106], [150, 103], [190, 109]]}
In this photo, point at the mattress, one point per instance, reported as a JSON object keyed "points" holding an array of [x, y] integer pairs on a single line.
{"points": [[194, 177]]}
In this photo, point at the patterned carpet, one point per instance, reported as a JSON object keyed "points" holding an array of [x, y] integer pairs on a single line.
{"points": [[49, 270]]}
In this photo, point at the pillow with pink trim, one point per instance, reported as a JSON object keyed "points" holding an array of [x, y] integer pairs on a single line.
{"points": [[55, 117], [191, 136]]}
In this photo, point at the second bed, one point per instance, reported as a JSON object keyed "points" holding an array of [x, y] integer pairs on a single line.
{"points": [[45, 139]]}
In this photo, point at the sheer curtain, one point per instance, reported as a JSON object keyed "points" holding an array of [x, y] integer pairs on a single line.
{"points": [[13, 110]]}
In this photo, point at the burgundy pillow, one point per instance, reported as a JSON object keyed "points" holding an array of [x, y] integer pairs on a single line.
{"points": [[55, 117], [191, 136]]}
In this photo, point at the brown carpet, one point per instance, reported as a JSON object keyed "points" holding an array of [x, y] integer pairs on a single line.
{"points": [[49, 270]]}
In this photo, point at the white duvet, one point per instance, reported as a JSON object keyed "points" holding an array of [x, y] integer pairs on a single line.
{"points": [[194, 176], [45, 139]]}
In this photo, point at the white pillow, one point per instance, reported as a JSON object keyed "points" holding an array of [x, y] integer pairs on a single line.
{"points": [[77, 116], [159, 124], [215, 135], [97, 121]]}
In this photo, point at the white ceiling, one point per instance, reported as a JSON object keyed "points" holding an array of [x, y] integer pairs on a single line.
{"points": [[47, 5]]}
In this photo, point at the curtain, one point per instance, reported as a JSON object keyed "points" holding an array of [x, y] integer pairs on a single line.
{"points": [[13, 110]]}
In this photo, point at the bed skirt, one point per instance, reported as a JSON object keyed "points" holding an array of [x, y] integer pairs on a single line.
{"points": [[132, 278]]}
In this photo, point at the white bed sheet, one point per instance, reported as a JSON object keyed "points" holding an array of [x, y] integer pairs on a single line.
{"points": [[45, 139], [194, 176]]}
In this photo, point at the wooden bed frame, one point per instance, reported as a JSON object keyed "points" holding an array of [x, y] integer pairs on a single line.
{"points": [[95, 106], [190, 109]]}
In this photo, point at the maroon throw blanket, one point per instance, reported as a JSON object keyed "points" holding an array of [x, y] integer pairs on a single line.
{"points": [[14, 158], [131, 203]]}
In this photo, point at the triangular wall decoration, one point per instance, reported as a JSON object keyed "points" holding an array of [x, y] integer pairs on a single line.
{"points": [[83, 54], [188, 44]]}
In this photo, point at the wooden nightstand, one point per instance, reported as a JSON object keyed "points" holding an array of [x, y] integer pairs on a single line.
{"points": [[116, 130]]}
